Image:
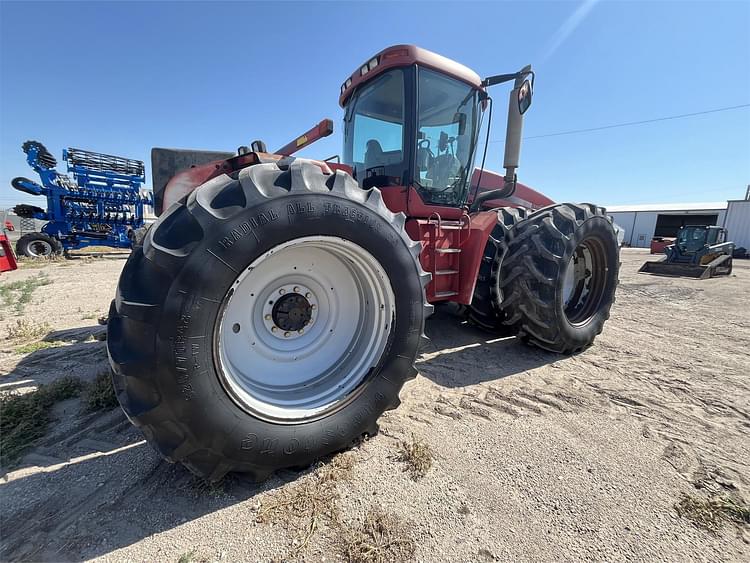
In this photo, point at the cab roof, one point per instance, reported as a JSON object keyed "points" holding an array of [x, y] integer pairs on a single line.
{"points": [[402, 56]]}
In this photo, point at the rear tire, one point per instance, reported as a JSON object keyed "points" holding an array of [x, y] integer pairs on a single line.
{"points": [[38, 245], [202, 398], [485, 311], [560, 275]]}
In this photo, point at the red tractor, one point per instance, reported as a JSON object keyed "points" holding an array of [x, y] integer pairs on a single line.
{"points": [[275, 308]]}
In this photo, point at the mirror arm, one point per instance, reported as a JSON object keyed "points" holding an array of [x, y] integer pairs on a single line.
{"points": [[498, 79], [501, 78]]}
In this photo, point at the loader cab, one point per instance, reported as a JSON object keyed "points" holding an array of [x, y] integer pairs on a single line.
{"points": [[693, 238], [409, 124]]}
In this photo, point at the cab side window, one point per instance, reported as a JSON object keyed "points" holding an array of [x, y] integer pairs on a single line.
{"points": [[374, 131]]}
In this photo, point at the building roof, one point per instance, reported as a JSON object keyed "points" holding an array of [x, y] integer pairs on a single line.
{"points": [[704, 206]]}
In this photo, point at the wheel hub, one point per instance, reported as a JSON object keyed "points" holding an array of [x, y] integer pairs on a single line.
{"points": [[40, 248], [292, 312]]}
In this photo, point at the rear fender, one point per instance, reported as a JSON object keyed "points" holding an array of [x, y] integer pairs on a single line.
{"points": [[177, 172]]}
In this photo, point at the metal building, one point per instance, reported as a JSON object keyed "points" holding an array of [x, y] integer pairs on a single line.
{"points": [[644, 222], [737, 222]]}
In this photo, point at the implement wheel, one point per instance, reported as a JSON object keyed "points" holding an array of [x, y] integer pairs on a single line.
{"points": [[267, 321], [560, 275], [38, 245]]}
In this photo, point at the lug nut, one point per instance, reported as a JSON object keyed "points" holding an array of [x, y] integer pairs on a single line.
{"points": [[287, 334], [268, 317], [312, 306], [308, 295], [300, 331], [273, 329], [282, 291], [296, 289]]}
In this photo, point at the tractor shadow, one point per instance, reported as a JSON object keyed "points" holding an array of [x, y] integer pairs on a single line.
{"points": [[78, 352], [92, 485], [102, 501], [458, 354]]}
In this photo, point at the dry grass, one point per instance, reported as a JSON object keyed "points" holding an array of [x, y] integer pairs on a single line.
{"points": [[39, 345], [380, 538], [712, 513], [24, 417], [100, 394], [417, 456], [304, 505], [24, 329], [98, 250], [18, 294], [39, 262], [191, 557]]}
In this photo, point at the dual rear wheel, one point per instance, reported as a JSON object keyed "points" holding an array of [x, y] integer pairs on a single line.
{"points": [[552, 276]]}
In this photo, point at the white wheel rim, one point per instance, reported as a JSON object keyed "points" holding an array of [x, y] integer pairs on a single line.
{"points": [[287, 374], [39, 248], [584, 282], [577, 272]]}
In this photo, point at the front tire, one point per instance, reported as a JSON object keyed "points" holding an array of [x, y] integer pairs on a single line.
{"points": [[229, 345], [560, 275]]}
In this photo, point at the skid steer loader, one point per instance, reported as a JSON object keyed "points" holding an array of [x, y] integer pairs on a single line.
{"points": [[275, 308], [699, 251]]}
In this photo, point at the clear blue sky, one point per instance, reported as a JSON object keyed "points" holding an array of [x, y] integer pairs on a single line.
{"points": [[123, 77]]}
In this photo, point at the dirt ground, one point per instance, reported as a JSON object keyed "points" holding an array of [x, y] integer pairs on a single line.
{"points": [[536, 456]]}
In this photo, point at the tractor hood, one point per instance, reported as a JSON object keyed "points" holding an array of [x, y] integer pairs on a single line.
{"points": [[523, 196]]}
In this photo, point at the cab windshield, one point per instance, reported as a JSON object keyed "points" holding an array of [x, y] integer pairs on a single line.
{"points": [[446, 137], [692, 239]]}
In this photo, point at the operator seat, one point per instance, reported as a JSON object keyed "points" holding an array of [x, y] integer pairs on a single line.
{"points": [[373, 154]]}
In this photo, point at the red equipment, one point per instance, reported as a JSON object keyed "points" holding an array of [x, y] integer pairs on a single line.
{"points": [[7, 258], [658, 244]]}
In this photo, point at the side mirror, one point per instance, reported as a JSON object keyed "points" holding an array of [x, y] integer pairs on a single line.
{"points": [[524, 96]]}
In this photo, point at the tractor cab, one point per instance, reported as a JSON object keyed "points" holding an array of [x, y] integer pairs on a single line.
{"points": [[412, 119], [426, 140]]}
